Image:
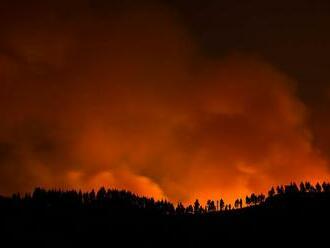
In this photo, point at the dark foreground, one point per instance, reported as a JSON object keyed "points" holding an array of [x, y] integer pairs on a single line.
{"points": [[283, 219]]}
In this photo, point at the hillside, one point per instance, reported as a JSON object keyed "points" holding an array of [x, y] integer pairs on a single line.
{"points": [[67, 219]]}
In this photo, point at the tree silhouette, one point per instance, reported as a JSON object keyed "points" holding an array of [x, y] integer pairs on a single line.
{"points": [[119, 201], [280, 190], [197, 206], [92, 196], [236, 204], [248, 200], [202, 210], [100, 195], [271, 192], [117, 210], [302, 187], [222, 204], [326, 187], [190, 209], [312, 189], [260, 198], [254, 199], [318, 188], [291, 188], [210, 206]]}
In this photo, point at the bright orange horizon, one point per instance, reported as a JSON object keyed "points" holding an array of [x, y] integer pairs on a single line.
{"points": [[132, 100]]}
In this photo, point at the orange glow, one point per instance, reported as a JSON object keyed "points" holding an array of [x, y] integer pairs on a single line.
{"points": [[135, 105]]}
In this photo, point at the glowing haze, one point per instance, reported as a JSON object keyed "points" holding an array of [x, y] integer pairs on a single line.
{"points": [[127, 99]]}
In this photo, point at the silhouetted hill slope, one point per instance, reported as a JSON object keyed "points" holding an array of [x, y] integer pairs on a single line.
{"points": [[120, 218]]}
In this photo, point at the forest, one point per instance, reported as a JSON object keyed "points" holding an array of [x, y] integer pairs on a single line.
{"points": [[69, 218]]}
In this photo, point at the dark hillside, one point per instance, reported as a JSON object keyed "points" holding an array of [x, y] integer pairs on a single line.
{"points": [[116, 218]]}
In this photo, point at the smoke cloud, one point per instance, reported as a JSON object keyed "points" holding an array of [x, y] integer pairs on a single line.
{"points": [[94, 97]]}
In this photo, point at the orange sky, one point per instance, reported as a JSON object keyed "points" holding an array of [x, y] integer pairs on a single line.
{"points": [[121, 101]]}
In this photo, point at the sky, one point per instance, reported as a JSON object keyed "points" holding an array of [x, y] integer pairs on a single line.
{"points": [[169, 99]]}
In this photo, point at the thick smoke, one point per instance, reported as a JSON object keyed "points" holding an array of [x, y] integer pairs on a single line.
{"points": [[125, 99]]}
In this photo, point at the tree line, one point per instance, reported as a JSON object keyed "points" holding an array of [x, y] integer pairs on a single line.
{"points": [[113, 200]]}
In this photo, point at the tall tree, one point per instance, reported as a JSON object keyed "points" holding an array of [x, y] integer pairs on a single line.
{"points": [[210, 206], [197, 206], [222, 204], [271, 192]]}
